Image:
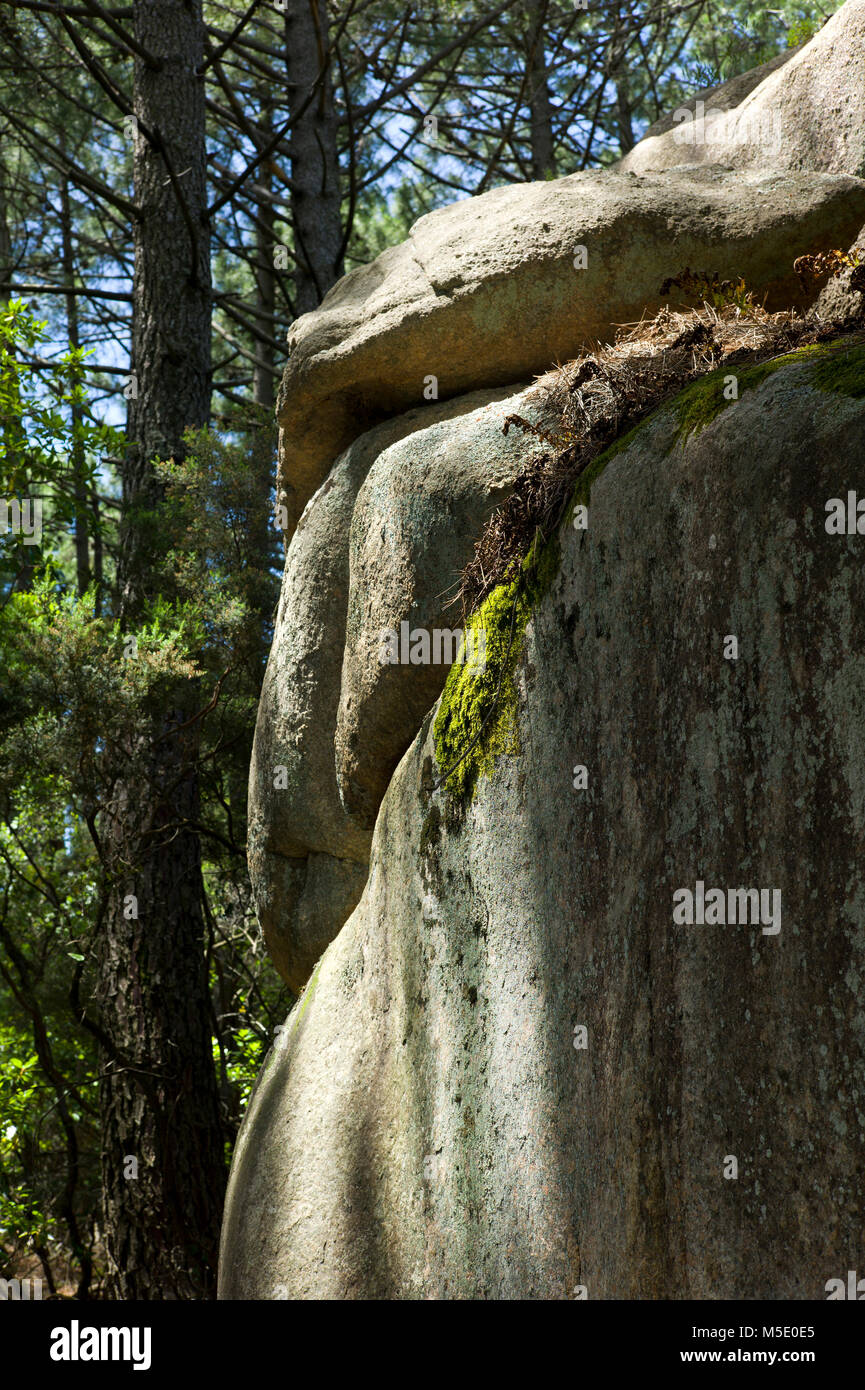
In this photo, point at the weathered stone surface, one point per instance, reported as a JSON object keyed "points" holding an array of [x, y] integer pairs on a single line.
{"points": [[485, 293], [428, 1129], [418, 514], [839, 302], [301, 904], [294, 805], [382, 541], [806, 111], [723, 97]]}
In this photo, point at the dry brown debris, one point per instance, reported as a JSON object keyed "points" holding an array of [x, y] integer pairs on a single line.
{"points": [[595, 398]]}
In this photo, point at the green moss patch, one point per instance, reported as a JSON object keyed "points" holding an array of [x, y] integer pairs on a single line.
{"points": [[700, 403], [478, 709], [841, 372], [833, 370]]}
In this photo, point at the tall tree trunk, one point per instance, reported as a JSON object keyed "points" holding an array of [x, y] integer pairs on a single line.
{"points": [[262, 435], [159, 1096], [617, 69], [538, 95], [14, 454], [264, 370], [315, 205], [624, 114], [5, 242], [79, 477]]}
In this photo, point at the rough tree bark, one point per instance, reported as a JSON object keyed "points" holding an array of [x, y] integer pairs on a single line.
{"points": [[159, 1098], [82, 527], [5, 241], [538, 94], [13, 459], [264, 370], [315, 203]]}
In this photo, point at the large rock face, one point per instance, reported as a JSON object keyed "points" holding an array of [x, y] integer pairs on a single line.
{"points": [[484, 292], [382, 543], [804, 111], [429, 1126], [518, 1069], [488, 291]]}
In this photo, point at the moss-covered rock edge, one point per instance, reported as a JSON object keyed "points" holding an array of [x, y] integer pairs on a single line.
{"points": [[831, 369], [478, 709]]}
